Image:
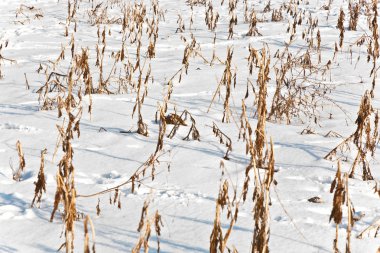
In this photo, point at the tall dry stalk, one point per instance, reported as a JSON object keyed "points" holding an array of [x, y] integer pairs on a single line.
{"points": [[218, 239], [375, 52], [41, 181], [262, 82], [340, 26], [87, 249], [341, 197], [66, 192], [261, 198], [145, 229], [21, 163]]}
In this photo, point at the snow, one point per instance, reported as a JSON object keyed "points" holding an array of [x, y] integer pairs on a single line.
{"points": [[188, 177]]}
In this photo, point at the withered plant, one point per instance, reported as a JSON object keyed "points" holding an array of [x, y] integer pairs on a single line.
{"points": [[374, 45], [340, 26], [181, 24], [145, 228], [261, 199], [25, 13], [218, 239], [211, 17], [41, 181], [21, 164], [72, 6], [262, 82], [232, 4], [223, 139], [354, 10], [253, 31], [301, 91], [341, 197], [55, 89], [66, 192], [228, 78], [364, 138], [277, 15], [193, 131], [87, 249]]}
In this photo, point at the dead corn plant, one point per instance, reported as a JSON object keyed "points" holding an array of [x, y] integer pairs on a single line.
{"points": [[375, 53], [41, 181], [193, 131], [228, 79], [253, 31], [181, 24], [232, 4], [66, 192], [340, 26], [301, 91], [262, 82], [211, 17], [98, 15], [354, 10], [223, 139], [145, 229], [55, 89], [218, 239], [21, 164], [246, 19], [261, 200], [364, 138], [245, 133], [87, 249], [277, 15], [341, 197], [72, 6], [267, 8]]}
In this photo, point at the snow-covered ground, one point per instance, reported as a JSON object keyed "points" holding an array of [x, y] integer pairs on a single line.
{"points": [[188, 176]]}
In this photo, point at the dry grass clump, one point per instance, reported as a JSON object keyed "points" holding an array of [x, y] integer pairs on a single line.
{"points": [[301, 91]]}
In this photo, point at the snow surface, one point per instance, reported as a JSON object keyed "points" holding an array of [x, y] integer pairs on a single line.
{"points": [[185, 194]]}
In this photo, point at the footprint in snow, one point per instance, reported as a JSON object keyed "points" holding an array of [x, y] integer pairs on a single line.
{"points": [[17, 127], [108, 178], [12, 206]]}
